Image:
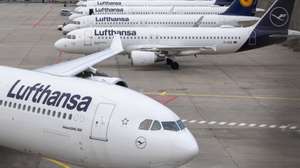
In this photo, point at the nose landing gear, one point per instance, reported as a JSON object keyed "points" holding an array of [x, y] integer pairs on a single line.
{"points": [[173, 64]]}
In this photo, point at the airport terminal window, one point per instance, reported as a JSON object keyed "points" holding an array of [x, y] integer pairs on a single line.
{"points": [[145, 125], [170, 126], [156, 126]]}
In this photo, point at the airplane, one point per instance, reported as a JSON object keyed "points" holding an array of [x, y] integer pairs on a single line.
{"points": [[209, 2], [228, 18], [195, 10], [148, 46], [152, 3], [68, 113]]}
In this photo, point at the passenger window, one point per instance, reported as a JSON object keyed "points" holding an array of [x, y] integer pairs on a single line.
{"points": [[64, 116], [156, 126], [70, 116], [1, 101], [170, 126], [145, 125], [181, 125], [59, 114]]}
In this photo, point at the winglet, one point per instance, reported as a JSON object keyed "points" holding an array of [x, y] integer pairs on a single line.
{"points": [[198, 22], [116, 44]]}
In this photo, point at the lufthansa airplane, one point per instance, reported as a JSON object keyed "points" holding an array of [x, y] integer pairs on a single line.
{"points": [[228, 18], [147, 46], [62, 113], [152, 3], [198, 10]]}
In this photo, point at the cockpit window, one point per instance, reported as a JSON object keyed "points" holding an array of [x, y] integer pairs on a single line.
{"points": [[145, 125], [170, 125], [181, 125], [71, 36], [156, 126]]}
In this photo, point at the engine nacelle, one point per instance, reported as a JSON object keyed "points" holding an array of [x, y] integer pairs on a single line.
{"points": [[141, 58], [109, 80]]}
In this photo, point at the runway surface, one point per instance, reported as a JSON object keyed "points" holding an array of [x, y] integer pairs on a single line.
{"points": [[243, 109]]}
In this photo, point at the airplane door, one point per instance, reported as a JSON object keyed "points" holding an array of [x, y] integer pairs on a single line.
{"points": [[252, 39], [88, 38], [101, 121]]}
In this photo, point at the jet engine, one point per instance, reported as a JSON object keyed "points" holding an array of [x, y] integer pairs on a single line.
{"points": [[141, 58], [93, 75]]}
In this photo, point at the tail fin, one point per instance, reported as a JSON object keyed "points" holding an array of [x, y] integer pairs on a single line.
{"points": [[277, 18], [242, 8], [223, 2], [272, 28]]}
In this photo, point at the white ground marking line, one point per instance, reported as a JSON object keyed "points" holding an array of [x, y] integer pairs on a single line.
{"points": [[222, 123], [262, 125], [283, 126], [232, 124], [242, 124], [212, 122], [252, 125], [272, 126], [202, 122], [192, 121]]}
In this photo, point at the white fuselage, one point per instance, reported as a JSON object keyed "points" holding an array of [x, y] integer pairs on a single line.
{"points": [[138, 10], [87, 123], [157, 21], [223, 40], [147, 3]]}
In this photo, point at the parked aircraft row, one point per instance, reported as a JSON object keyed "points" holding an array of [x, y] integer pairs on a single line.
{"points": [[150, 45], [234, 15], [94, 122]]}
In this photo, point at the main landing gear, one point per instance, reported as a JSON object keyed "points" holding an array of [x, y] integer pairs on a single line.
{"points": [[173, 64]]}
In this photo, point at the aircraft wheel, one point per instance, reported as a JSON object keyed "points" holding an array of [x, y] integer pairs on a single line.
{"points": [[169, 61], [175, 66]]}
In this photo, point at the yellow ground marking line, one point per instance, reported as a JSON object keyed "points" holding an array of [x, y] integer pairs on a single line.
{"points": [[223, 96], [58, 163]]}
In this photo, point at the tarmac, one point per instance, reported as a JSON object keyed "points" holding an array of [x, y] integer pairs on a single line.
{"points": [[243, 109]]}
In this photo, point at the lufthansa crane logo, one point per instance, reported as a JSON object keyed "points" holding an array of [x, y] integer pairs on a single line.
{"points": [[279, 17], [246, 3], [141, 142]]}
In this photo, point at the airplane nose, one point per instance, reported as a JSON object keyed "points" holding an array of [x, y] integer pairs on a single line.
{"points": [[186, 148], [59, 44]]}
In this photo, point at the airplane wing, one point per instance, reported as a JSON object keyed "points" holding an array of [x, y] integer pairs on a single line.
{"points": [[160, 48], [74, 67]]}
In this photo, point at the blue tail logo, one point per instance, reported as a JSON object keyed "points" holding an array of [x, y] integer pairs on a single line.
{"points": [[279, 17], [242, 8]]}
